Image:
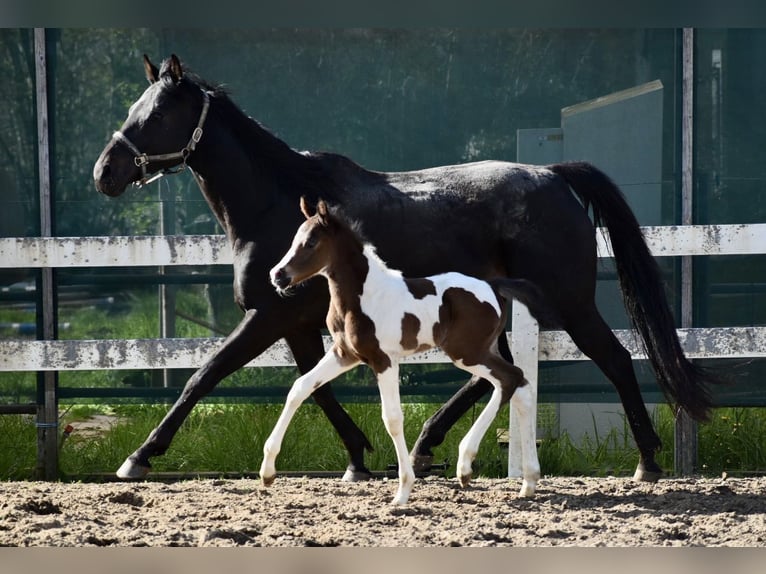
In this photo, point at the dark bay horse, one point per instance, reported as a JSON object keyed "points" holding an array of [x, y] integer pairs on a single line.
{"points": [[377, 317], [486, 219]]}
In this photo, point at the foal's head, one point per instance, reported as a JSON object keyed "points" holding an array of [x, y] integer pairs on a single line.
{"points": [[315, 245]]}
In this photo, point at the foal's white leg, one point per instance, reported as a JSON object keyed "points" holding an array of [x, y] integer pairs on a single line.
{"points": [[469, 446], [523, 400], [329, 367], [393, 418]]}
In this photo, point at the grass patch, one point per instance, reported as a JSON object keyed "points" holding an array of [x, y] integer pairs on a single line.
{"points": [[229, 438]]}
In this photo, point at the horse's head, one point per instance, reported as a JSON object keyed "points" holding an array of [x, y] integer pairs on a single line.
{"points": [[311, 250], [163, 127]]}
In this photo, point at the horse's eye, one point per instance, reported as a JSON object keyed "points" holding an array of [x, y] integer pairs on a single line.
{"points": [[311, 242], [155, 115]]}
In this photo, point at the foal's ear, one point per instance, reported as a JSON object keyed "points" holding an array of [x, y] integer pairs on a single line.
{"points": [[322, 212], [152, 72], [305, 209]]}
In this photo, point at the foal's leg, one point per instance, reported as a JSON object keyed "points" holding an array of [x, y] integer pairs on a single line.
{"points": [[329, 367], [436, 427], [307, 348], [393, 418], [523, 401], [509, 382]]}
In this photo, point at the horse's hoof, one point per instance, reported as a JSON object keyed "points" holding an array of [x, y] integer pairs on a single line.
{"points": [[131, 470], [422, 462], [644, 475], [356, 475], [465, 479]]}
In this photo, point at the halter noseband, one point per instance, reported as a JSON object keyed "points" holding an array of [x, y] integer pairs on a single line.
{"points": [[142, 160]]}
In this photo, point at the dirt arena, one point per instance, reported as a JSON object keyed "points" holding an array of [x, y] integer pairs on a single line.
{"points": [[299, 512]]}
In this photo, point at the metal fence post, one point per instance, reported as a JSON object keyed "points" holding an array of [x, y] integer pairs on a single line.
{"points": [[47, 410], [685, 454]]}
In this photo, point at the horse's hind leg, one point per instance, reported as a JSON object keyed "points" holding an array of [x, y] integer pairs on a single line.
{"points": [[594, 337], [307, 348], [393, 419], [328, 367], [436, 427]]}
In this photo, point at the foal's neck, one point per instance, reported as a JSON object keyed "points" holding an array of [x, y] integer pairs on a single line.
{"points": [[352, 271]]}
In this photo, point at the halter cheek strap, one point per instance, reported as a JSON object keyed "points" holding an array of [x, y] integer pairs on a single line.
{"points": [[142, 160]]}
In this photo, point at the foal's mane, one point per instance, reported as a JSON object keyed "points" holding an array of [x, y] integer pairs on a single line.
{"points": [[353, 229]]}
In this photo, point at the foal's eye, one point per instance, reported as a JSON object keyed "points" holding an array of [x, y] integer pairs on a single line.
{"points": [[311, 242]]}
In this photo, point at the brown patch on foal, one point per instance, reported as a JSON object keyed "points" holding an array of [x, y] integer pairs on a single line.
{"points": [[420, 288], [410, 331], [468, 326]]}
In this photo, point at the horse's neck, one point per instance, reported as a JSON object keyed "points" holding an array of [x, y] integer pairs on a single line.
{"points": [[235, 200], [239, 180]]}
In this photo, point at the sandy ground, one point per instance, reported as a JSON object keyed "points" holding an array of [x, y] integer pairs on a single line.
{"points": [[567, 511]]}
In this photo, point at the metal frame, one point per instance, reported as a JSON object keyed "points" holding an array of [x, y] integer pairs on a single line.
{"points": [[49, 355]]}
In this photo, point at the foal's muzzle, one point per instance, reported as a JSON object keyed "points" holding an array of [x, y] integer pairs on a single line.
{"points": [[280, 279]]}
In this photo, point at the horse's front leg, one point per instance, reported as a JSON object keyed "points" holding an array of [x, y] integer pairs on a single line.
{"points": [[393, 419], [251, 337], [307, 348], [329, 367]]}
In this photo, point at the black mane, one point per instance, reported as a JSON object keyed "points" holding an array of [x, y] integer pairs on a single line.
{"points": [[294, 172]]}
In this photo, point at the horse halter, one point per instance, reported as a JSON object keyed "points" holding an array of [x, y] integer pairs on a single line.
{"points": [[142, 160]]}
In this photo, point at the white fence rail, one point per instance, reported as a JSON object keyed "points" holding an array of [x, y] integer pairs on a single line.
{"points": [[137, 251], [25, 355]]}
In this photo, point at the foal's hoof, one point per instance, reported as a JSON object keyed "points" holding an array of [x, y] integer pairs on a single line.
{"points": [[268, 480], [131, 470], [356, 475], [465, 479], [528, 489], [422, 462], [642, 474]]}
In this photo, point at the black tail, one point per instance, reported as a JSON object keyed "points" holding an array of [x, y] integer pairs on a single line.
{"points": [[528, 293], [683, 383]]}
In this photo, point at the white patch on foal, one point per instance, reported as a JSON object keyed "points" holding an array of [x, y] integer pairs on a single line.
{"points": [[386, 298]]}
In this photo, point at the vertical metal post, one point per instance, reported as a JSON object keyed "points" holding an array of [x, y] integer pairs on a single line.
{"points": [[685, 459], [47, 412], [167, 292], [525, 347]]}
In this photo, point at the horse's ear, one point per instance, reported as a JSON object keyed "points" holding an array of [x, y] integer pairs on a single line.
{"points": [[305, 209], [176, 71], [152, 72]]}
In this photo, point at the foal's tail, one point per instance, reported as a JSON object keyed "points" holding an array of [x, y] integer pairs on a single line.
{"points": [[683, 383]]}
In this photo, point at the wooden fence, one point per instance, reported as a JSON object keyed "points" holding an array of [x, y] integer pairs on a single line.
{"points": [[529, 345]]}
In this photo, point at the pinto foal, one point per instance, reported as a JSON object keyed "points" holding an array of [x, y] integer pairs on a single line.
{"points": [[377, 317]]}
